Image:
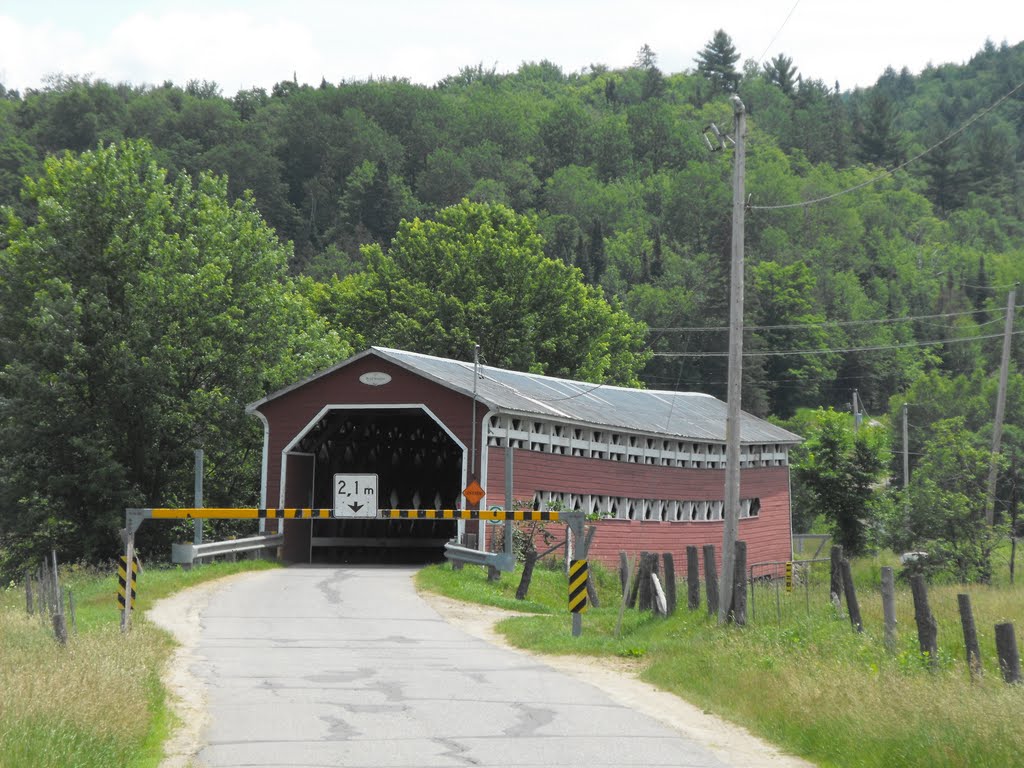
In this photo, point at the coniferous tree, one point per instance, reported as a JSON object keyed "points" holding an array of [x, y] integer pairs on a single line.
{"points": [[876, 136], [781, 72], [717, 63]]}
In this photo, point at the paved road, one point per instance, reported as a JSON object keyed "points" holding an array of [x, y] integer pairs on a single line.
{"points": [[347, 666]]}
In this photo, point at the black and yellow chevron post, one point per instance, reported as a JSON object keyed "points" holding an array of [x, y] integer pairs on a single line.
{"points": [[122, 581], [789, 576], [578, 586]]}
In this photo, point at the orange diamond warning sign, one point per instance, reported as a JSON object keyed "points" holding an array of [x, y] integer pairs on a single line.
{"points": [[473, 492]]}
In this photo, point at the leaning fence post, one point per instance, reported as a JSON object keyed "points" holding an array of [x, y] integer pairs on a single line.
{"points": [[836, 584], [645, 595], [623, 570], [625, 591], [670, 583], [851, 597], [889, 607], [527, 577], [28, 592], [711, 579], [692, 579], [1009, 656], [970, 634], [739, 585], [927, 628]]}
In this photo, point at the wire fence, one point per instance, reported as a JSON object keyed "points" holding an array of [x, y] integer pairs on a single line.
{"points": [[784, 589]]}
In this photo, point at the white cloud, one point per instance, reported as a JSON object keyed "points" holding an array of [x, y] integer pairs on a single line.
{"points": [[240, 43], [233, 48], [29, 53]]}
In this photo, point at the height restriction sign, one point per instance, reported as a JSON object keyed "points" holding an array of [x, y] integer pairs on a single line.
{"points": [[355, 495]]}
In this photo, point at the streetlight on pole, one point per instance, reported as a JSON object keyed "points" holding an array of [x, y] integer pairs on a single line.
{"points": [[731, 512]]}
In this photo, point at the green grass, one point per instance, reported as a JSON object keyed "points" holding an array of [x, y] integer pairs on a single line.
{"points": [[808, 682], [99, 701]]}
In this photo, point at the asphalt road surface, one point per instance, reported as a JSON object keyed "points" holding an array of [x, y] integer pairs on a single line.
{"points": [[347, 666]]}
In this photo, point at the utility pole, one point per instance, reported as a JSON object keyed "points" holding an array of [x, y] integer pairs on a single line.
{"points": [[197, 531], [856, 411], [731, 512], [906, 456], [997, 428], [476, 378]]}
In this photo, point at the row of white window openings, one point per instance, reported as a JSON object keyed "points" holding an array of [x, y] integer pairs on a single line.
{"points": [[558, 439], [625, 508]]}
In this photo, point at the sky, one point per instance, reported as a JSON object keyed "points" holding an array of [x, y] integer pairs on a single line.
{"points": [[240, 44]]}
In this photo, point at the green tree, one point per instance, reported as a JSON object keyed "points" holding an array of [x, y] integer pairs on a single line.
{"points": [[783, 306], [781, 72], [838, 469], [477, 274], [717, 63], [947, 504], [875, 131], [139, 316]]}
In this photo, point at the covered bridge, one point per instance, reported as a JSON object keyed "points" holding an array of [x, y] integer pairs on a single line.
{"points": [[648, 465]]}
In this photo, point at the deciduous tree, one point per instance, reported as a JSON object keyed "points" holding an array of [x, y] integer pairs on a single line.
{"points": [[477, 274], [139, 316]]}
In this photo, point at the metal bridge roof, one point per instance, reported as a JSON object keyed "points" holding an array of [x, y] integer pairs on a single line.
{"points": [[688, 415]]}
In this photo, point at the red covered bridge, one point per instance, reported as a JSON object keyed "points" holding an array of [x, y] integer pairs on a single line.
{"points": [[649, 464]]}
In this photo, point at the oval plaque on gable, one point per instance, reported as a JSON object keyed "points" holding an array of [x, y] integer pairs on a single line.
{"points": [[375, 378]]}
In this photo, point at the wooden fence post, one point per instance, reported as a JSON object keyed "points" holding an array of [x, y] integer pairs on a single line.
{"points": [[889, 607], [625, 591], [1009, 656], [670, 582], [739, 585], [634, 592], [624, 573], [592, 597], [527, 577], [836, 584], [970, 634], [28, 592], [645, 593], [711, 579], [927, 628], [692, 578], [851, 597]]}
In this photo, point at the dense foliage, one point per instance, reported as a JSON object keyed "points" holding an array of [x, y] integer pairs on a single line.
{"points": [[140, 315], [389, 189]]}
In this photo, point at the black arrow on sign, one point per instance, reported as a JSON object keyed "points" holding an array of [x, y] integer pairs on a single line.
{"points": [[355, 507]]}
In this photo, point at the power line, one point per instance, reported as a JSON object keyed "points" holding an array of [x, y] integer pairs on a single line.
{"points": [[779, 353], [777, 32], [977, 116], [878, 321]]}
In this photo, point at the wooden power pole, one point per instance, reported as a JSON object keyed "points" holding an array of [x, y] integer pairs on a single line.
{"points": [[731, 511], [997, 428]]}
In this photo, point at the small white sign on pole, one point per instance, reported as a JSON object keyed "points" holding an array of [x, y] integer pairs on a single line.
{"points": [[355, 495]]}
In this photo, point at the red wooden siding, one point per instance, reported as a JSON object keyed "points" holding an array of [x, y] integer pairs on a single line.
{"points": [[289, 414], [768, 536]]}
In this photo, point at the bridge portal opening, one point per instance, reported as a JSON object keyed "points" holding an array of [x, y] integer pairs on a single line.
{"points": [[418, 466]]}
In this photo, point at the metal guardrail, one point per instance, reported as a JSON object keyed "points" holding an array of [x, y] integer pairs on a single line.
{"points": [[503, 561], [187, 554]]}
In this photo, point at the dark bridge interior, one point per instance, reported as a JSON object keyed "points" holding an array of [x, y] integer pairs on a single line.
{"points": [[418, 466]]}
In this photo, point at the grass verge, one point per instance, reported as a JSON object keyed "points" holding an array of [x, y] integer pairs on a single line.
{"points": [[801, 679], [97, 702]]}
